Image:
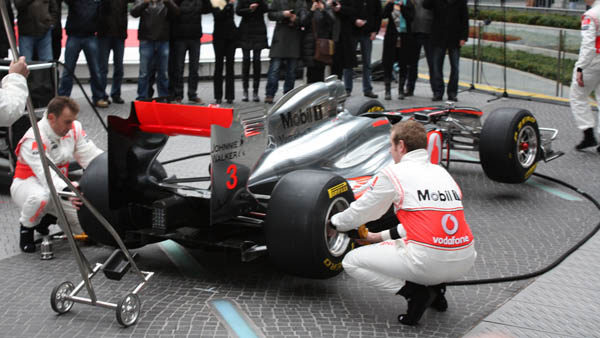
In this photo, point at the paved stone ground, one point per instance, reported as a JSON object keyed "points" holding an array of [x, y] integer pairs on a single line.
{"points": [[519, 228]]}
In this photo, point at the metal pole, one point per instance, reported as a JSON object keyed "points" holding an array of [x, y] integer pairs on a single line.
{"points": [[84, 267]]}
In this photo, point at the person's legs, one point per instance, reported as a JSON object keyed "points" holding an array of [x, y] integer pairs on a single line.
{"points": [[26, 45], [32, 198], [348, 73], [193, 46], [245, 69], [256, 69], [90, 50], [273, 78], [43, 47], [580, 107], [290, 75], [103, 56], [162, 77], [454, 57], [219, 47], [229, 75], [72, 50], [179, 47], [146, 66], [118, 48], [366, 46], [437, 77]]}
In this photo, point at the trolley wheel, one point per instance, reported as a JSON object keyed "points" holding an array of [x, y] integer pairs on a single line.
{"points": [[128, 310], [58, 299]]}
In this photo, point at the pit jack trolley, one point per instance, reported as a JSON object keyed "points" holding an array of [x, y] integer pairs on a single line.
{"points": [[66, 294]]}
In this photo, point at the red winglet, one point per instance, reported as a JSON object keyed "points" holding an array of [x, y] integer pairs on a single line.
{"points": [[178, 119]]}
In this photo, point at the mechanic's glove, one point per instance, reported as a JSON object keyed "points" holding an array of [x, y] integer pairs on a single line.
{"points": [[360, 233]]}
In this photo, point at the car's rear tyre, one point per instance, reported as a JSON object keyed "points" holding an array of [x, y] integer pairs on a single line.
{"points": [[299, 241], [509, 147], [359, 107]]}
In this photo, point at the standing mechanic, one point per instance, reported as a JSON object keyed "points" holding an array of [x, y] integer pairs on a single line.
{"points": [[586, 75], [436, 244], [14, 92], [64, 139]]}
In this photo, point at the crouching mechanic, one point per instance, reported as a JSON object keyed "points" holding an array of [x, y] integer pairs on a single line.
{"points": [[64, 139], [432, 245]]}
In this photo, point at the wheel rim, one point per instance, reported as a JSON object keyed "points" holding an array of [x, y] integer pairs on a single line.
{"points": [[130, 309], [337, 242], [527, 146], [60, 298]]}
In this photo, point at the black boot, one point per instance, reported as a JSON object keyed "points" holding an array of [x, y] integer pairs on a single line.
{"points": [[419, 298], [401, 89], [388, 91], [45, 222], [245, 96], [588, 139], [26, 241], [439, 303]]}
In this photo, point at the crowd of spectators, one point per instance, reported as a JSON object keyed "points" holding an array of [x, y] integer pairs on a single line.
{"points": [[171, 29]]}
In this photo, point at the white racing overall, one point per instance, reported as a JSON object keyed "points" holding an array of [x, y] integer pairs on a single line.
{"points": [[29, 189], [13, 97], [436, 244], [589, 62]]}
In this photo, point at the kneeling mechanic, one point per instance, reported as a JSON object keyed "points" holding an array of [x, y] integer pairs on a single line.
{"points": [[432, 245]]}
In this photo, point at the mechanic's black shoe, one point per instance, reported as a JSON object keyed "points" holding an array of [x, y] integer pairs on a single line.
{"points": [[371, 95], [229, 101], [26, 240], [118, 100], [436, 98], [588, 140], [440, 303], [218, 101], [452, 98], [245, 96], [419, 298], [45, 222], [410, 91], [400, 94]]}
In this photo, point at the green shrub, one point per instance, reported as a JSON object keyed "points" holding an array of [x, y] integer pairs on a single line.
{"points": [[541, 65], [529, 18]]}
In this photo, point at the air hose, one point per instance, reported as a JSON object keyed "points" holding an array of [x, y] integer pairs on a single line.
{"points": [[553, 264]]}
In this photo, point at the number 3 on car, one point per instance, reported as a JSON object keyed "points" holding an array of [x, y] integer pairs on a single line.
{"points": [[233, 180]]}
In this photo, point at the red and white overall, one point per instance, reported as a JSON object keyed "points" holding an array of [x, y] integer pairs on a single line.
{"points": [[29, 189], [589, 63], [13, 96], [437, 243]]}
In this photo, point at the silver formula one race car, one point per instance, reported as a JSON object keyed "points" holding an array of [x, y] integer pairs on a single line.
{"points": [[277, 176]]}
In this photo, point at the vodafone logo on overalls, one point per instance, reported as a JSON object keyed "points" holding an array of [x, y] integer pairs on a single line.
{"points": [[449, 218]]}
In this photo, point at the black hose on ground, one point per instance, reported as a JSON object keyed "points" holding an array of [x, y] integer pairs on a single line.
{"points": [[553, 264]]}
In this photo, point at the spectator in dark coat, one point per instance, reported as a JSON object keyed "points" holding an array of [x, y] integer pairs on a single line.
{"points": [[421, 34], [112, 33], [57, 31], [253, 38], [81, 27], [154, 34], [345, 49], [4, 45], [285, 46], [366, 25], [186, 32], [397, 43], [225, 41], [450, 31], [35, 21], [319, 22]]}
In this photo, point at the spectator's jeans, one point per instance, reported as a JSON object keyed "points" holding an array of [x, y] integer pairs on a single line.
{"points": [[152, 52], [40, 44], [273, 75], [181, 46], [106, 44], [420, 40], [365, 51], [437, 72], [75, 44]]}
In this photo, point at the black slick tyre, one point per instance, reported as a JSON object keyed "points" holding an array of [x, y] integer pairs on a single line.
{"points": [[360, 107], [299, 241], [509, 147]]}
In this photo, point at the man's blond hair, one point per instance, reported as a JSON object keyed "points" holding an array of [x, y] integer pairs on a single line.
{"points": [[412, 133]]}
